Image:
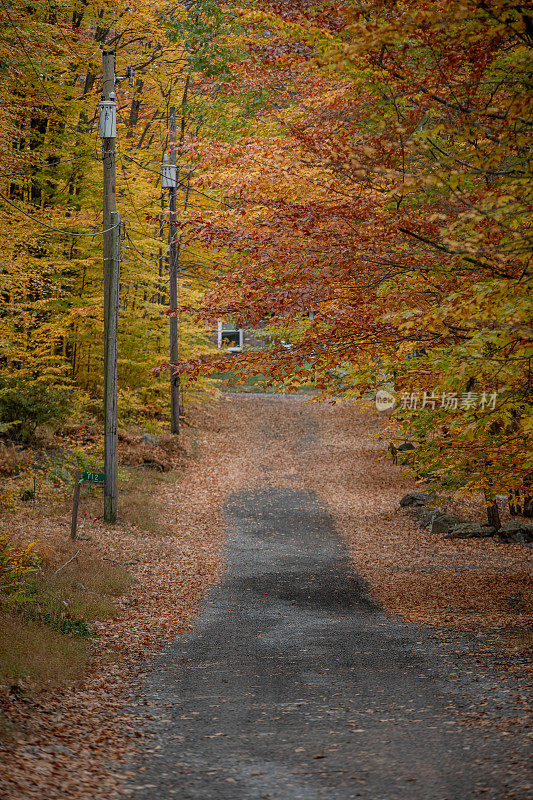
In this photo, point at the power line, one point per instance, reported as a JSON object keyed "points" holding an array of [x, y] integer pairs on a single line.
{"points": [[181, 185], [157, 172], [38, 167], [134, 207], [146, 235], [143, 255], [126, 180], [148, 169], [58, 230]]}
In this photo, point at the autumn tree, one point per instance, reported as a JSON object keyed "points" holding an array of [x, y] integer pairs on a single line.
{"points": [[378, 215], [50, 84]]}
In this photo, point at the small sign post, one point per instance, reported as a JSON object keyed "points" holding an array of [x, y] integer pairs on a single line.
{"points": [[97, 478], [93, 477]]}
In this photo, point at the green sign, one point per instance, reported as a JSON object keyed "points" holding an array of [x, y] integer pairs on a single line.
{"points": [[93, 477]]}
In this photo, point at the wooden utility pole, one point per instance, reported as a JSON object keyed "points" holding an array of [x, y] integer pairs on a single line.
{"points": [[110, 376], [180, 148], [173, 284], [109, 164], [111, 224]]}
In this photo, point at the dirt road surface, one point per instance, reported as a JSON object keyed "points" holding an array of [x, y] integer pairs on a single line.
{"points": [[295, 683]]}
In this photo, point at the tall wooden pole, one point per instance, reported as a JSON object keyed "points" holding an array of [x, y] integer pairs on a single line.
{"points": [[178, 244], [110, 180], [173, 285], [110, 377], [111, 223]]}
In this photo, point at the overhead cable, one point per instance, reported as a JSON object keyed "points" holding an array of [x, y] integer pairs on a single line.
{"points": [[51, 227]]}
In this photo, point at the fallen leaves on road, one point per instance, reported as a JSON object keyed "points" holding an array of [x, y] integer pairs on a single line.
{"points": [[420, 576], [68, 743]]}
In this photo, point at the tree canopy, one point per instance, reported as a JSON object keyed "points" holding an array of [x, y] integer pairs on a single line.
{"points": [[51, 198], [354, 183], [378, 218]]}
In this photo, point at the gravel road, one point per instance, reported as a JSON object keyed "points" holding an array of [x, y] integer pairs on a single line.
{"points": [[294, 685]]}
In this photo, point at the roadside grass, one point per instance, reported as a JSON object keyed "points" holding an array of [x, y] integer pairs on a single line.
{"points": [[138, 504], [85, 589], [48, 612], [52, 610], [104, 578], [35, 655], [46, 622]]}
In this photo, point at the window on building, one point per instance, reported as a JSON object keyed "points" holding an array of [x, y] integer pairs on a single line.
{"points": [[230, 337]]}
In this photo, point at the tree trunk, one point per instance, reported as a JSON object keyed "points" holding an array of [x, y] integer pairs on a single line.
{"points": [[493, 514]]}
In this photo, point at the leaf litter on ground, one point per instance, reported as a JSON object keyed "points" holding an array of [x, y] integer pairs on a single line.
{"points": [[73, 741]]}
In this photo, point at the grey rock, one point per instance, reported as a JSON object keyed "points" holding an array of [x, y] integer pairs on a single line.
{"points": [[417, 511], [149, 439], [516, 531], [414, 499], [407, 456], [426, 516], [471, 530], [443, 523]]}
